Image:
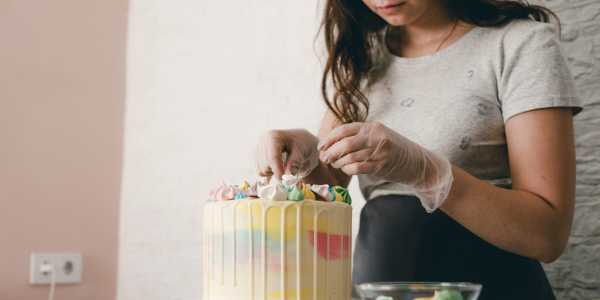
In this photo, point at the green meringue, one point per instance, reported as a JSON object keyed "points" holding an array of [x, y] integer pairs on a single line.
{"points": [[296, 194]]}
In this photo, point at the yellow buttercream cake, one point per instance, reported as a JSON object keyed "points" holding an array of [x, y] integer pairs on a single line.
{"points": [[259, 249]]}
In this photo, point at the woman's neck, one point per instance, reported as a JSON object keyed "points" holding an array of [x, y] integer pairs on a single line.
{"points": [[429, 27], [431, 32]]}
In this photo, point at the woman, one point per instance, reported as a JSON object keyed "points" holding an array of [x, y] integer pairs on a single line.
{"points": [[456, 116]]}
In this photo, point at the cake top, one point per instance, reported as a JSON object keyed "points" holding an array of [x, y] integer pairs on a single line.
{"points": [[289, 188]]}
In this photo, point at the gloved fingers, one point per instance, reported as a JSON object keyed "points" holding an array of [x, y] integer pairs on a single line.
{"points": [[264, 172], [302, 166], [275, 159], [394, 153], [377, 144], [292, 165], [263, 167], [342, 147], [299, 161], [339, 133], [364, 167], [269, 154], [279, 151], [353, 157]]}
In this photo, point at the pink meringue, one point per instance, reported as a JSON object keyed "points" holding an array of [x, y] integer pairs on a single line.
{"points": [[322, 191], [223, 192]]}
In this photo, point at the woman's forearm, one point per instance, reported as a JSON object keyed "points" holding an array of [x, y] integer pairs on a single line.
{"points": [[517, 221]]}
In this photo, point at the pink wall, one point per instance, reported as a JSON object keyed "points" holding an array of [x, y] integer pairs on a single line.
{"points": [[62, 91]]}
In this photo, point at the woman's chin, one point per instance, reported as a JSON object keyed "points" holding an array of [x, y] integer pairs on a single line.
{"points": [[397, 20]]}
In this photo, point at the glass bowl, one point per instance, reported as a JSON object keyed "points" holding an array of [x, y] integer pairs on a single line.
{"points": [[418, 291]]}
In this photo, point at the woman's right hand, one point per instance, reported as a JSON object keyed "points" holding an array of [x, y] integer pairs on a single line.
{"points": [[300, 145]]}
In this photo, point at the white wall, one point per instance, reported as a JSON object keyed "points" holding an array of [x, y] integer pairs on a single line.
{"points": [[205, 79], [576, 275]]}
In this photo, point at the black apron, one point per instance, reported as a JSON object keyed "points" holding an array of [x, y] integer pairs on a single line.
{"points": [[399, 241]]}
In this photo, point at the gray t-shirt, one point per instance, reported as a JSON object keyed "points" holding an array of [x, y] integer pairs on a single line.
{"points": [[457, 101]]}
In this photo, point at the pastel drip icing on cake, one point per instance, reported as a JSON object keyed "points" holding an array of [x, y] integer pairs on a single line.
{"points": [[284, 240]]}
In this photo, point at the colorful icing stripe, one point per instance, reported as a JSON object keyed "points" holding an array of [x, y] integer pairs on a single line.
{"points": [[290, 188]]}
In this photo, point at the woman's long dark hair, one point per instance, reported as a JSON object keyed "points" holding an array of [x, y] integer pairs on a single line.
{"points": [[351, 32]]}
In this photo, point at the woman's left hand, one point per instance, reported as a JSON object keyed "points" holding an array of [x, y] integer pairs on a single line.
{"points": [[375, 149]]}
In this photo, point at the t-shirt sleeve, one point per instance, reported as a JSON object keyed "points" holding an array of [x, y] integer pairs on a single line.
{"points": [[534, 73]]}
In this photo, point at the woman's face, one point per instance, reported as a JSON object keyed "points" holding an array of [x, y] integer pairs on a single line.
{"points": [[401, 12]]}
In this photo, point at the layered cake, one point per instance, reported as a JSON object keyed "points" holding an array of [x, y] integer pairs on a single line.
{"points": [[277, 241]]}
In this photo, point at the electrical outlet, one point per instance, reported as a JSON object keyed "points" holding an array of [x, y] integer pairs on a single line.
{"points": [[67, 267]]}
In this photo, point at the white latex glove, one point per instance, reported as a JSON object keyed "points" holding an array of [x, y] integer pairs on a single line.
{"points": [[374, 149], [292, 151]]}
